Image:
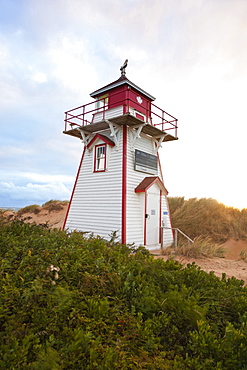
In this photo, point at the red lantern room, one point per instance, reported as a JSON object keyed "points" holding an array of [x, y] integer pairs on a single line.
{"points": [[125, 102], [122, 97]]}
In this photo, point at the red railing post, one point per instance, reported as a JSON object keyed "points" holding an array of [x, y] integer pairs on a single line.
{"points": [[104, 106], [83, 115], [162, 120], [65, 121], [150, 113]]}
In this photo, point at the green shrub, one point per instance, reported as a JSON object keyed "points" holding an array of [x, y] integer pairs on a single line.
{"points": [[69, 302]]}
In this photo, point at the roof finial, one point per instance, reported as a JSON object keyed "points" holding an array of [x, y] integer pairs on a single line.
{"points": [[122, 69]]}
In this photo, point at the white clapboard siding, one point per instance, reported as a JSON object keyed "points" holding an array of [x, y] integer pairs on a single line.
{"points": [[135, 219], [107, 114], [168, 238], [135, 214], [97, 201]]}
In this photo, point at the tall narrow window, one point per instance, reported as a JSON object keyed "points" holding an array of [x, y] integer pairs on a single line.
{"points": [[100, 158]]}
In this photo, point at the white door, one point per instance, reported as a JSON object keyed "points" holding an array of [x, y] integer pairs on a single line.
{"points": [[152, 219]]}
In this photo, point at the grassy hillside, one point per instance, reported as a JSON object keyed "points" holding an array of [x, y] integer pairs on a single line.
{"points": [[68, 302], [50, 206], [208, 218]]}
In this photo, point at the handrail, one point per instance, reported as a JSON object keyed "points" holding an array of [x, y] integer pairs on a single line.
{"points": [[83, 115], [176, 236]]}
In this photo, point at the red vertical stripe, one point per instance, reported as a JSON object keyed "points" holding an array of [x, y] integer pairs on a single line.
{"points": [[77, 176], [124, 185], [160, 220], [145, 219]]}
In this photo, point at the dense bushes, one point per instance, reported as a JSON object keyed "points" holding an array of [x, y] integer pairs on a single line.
{"points": [[73, 303], [208, 218]]}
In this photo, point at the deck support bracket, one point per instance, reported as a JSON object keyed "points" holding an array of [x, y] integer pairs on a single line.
{"points": [[85, 137], [114, 132], [158, 141], [135, 134]]}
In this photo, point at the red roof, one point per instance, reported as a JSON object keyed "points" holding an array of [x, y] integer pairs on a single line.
{"points": [[147, 182], [101, 137], [121, 81]]}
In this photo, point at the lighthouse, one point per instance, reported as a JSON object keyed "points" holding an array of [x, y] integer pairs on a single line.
{"points": [[119, 185]]}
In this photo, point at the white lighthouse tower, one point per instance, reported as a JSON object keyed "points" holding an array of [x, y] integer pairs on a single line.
{"points": [[119, 184]]}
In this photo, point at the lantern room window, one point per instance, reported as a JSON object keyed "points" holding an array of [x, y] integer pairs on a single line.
{"points": [[100, 158], [102, 102]]}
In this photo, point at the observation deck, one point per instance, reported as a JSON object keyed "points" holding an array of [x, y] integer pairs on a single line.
{"points": [[96, 116]]}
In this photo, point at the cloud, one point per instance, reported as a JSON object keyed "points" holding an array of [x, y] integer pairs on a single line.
{"points": [[48, 178], [39, 77], [22, 177], [12, 194], [70, 62], [13, 151]]}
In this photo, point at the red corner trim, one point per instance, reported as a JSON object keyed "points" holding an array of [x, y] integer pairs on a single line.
{"points": [[145, 220], [77, 176], [124, 184], [160, 217]]}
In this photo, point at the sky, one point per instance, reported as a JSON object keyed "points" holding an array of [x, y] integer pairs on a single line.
{"points": [[189, 54]]}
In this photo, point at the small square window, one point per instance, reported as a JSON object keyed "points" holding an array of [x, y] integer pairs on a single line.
{"points": [[100, 158]]}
